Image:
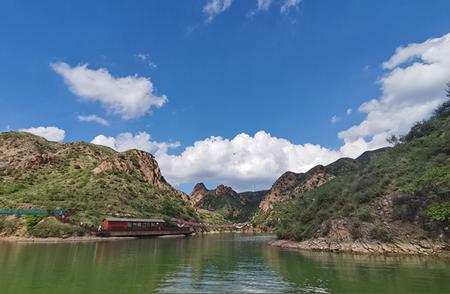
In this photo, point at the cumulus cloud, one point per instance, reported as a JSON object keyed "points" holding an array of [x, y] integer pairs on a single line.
{"points": [[349, 111], [242, 161], [141, 141], [288, 5], [129, 97], [215, 7], [412, 88], [49, 133], [93, 118]]}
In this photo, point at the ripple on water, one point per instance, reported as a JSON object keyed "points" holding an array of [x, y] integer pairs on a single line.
{"points": [[211, 280]]}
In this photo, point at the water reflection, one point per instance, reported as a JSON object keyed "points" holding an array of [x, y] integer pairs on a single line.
{"points": [[347, 273], [212, 264]]}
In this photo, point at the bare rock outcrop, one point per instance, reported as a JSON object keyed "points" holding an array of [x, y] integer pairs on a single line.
{"points": [[134, 161], [198, 193], [347, 235]]}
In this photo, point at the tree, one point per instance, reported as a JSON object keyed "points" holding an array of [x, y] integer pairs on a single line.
{"points": [[444, 107], [393, 140]]}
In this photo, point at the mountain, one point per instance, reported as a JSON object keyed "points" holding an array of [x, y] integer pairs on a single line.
{"points": [[291, 184], [388, 197], [224, 200], [95, 180]]}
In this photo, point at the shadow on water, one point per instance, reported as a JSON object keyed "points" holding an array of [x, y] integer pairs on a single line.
{"points": [[211, 264]]}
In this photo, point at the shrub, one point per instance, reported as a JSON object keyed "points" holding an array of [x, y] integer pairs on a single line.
{"points": [[380, 234], [365, 214], [355, 231], [439, 211], [51, 227], [32, 220], [9, 225]]}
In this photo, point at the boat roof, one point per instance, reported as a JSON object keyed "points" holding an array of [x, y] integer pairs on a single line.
{"points": [[140, 220]]}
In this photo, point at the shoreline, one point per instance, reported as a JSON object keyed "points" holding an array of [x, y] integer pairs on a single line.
{"points": [[424, 248], [83, 239]]}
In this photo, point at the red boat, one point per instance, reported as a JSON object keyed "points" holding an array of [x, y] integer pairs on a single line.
{"points": [[141, 227]]}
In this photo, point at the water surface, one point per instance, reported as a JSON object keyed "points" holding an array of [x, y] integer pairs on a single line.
{"points": [[211, 264]]}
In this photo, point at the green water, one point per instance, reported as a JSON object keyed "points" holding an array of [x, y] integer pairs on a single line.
{"points": [[212, 264]]}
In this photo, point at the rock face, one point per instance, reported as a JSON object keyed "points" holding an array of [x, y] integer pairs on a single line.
{"points": [[198, 193], [136, 160]]}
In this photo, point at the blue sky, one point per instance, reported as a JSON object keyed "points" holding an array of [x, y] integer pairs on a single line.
{"points": [[224, 71]]}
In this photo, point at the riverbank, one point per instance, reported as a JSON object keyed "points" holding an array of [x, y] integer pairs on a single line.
{"points": [[417, 247]]}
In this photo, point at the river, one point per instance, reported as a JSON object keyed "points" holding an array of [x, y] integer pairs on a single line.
{"points": [[228, 263]]}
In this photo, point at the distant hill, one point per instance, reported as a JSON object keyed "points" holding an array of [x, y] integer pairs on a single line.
{"points": [[393, 194], [96, 180], [233, 206]]}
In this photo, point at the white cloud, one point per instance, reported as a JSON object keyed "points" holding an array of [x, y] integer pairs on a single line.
{"points": [[334, 119], [348, 111], [242, 162], [93, 118], [264, 4], [141, 141], [215, 7], [145, 58], [245, 160], [49, 133], [129, 97], [288, 5], [411, 89]]}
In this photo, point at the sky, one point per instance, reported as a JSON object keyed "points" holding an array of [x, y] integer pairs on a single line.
{"points": [[231, 92]]}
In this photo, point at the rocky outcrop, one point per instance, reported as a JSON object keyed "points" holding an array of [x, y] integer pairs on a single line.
{"points": [[225, 190], [422, 247], [134, 161], [19, 152], [198, 193], [349, 235]]}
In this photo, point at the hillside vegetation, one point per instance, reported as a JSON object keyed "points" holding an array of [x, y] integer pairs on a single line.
{"points": [[401, 192], [224, 201], [95, 180]]}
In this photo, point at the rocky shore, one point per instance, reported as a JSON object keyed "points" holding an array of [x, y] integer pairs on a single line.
{"points": [[422, 247]]}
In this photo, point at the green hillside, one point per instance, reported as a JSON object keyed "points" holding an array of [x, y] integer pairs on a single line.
{"points": [[224, 201], [399, 192], [95, 180]]}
